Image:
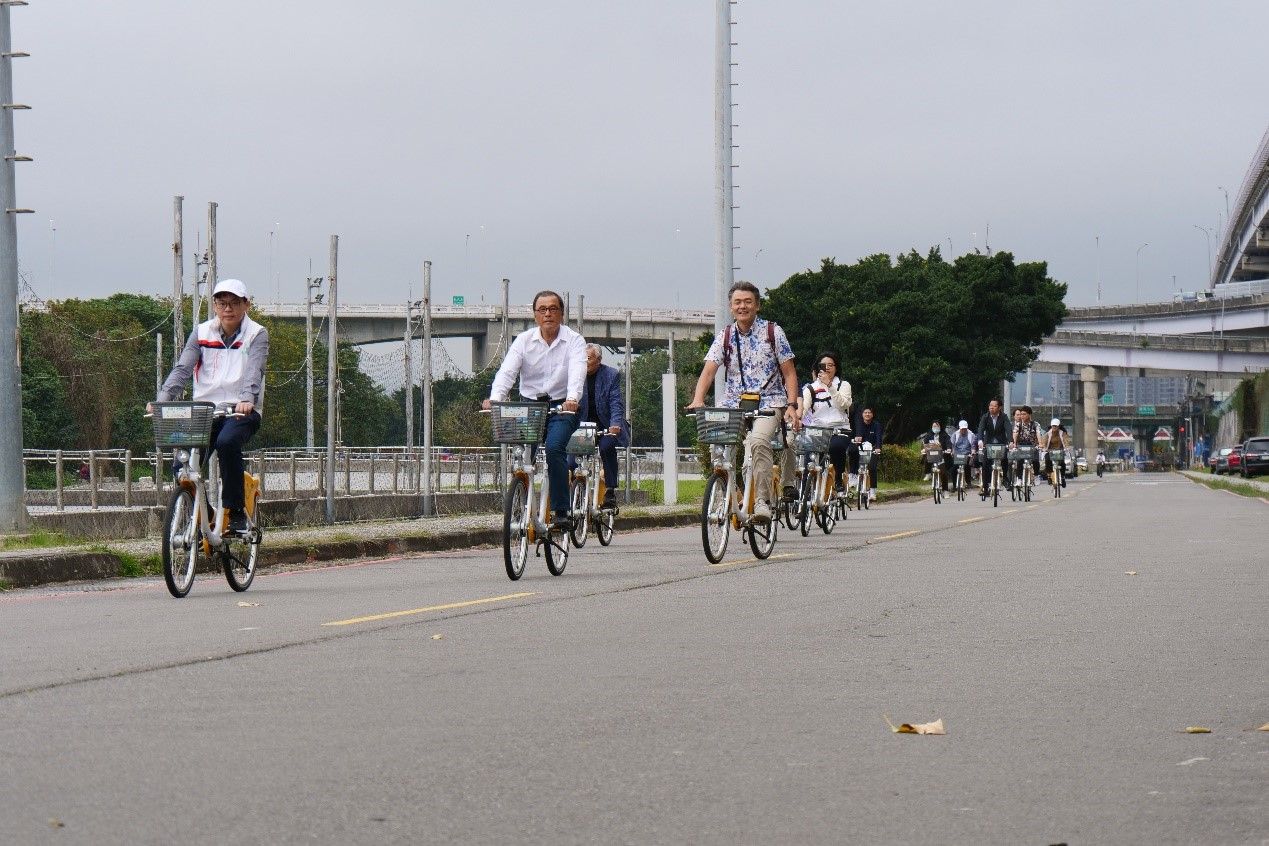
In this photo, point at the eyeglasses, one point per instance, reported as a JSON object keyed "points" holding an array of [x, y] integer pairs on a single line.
{"points": [[548, 309], [228, 303]]}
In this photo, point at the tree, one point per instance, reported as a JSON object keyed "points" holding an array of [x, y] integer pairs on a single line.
{"points": [[644, 404], [920, 339]]}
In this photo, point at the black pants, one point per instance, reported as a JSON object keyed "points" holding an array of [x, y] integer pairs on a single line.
{"points": [[986, 473], [228, 435], [1048, 467], [608, 457]]}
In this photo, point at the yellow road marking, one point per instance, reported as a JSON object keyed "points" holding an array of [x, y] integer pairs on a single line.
{"points": [[971, 520], [750, 560], [896, 536], [449, 606]]}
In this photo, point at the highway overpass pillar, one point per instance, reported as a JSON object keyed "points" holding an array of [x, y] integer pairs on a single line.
{"points": [[478, 353], [1090, 378]]}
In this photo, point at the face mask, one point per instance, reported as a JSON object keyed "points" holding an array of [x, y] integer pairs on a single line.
{"points": [[936, 430]]}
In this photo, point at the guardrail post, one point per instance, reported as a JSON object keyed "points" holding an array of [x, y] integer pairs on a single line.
{"points": [[92, 478], [292, 469], [262, 465], [458, 483], [59, 465], [127, 478], [158, 475], [477, 488], [372, 473], [347, 473], [396, 470]]}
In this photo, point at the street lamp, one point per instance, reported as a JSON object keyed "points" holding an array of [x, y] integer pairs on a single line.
{"points": [[1207, 233], [1138, 274], [1221, 188], [311, 285]]}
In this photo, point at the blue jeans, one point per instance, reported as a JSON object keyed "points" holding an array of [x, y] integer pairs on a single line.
{"points": [[558, 429]]}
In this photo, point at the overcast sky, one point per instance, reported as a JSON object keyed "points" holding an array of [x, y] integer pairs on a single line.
{"points": [[569, 143]]}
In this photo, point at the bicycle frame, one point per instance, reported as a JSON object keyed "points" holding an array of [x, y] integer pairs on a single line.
{"points": [[537, 506]]}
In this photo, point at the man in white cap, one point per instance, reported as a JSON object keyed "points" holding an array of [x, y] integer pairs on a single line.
{"points": [[225, 357], [1055, 438], [965, 443]]}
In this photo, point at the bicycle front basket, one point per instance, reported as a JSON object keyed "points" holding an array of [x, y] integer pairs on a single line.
{"points": [[995, 452], [582, 441], [1024, 453], [933, 453], [719, 425], [959, 459], [518, 422], [814, 439], [183, 424], [1058, 456]]}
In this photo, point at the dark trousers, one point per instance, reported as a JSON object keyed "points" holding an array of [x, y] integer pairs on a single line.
{"points": [[228, 435], [1007, 473], [558, 429], [608, 457]]}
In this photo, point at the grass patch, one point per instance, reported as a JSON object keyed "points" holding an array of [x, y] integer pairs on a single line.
{"points": [[5, 584], [1242, 489], [134, 566], [690, 491], [38, 539]]}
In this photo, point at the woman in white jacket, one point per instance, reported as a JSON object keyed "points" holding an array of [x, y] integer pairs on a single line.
{"points": [[826, 400]]}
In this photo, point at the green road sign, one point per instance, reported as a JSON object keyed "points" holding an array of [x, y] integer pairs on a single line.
{"points": [[1107, 399], [1145, 409], [458, 301]]}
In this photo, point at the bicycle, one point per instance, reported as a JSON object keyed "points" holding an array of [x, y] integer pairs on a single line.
{"points": [[196, 506], [729, 501], [1057, 474], [1025, 479], [526, 509], [995, 454], [961, 481], [865, 475], [587, 490], [934, 457], [817, 482]]}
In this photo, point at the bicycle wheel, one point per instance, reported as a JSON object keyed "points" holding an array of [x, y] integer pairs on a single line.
{"points": [[515, 527], [604, 526], [178, 559], [556, 548], [238, 556], [580, 510], [827, 515], [762, 538], [936, 486], [995, 489], [715, 518], [804, 505]]}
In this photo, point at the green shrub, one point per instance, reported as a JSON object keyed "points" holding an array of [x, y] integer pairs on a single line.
{"points": [[901, 463]]}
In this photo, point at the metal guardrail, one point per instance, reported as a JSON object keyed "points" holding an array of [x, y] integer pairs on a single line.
{"points": [[494, 312]]}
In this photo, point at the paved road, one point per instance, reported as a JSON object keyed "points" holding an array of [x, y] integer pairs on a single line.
{"points": [[645, 697]]}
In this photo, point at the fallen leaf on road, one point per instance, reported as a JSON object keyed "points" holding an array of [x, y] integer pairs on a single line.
{"points": [[1130, 573], [438, 637], [1265, 727], [935, 727], [56, 823], [1191, 761], [1197, 730], [248, 604]]}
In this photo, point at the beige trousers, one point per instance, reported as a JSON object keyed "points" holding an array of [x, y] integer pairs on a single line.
{"points": [[759, 443]]}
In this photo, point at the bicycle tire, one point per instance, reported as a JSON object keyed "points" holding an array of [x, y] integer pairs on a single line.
{"points": [[515, 533], [827, 517], [715, 518], [179, 564], [555, 548], [580, 511], [804, 506], [604, 526], [238, 558], [762, 539]]}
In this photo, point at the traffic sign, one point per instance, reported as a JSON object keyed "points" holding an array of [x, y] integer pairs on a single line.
{"points": [[458, 301], [1145, 409]]}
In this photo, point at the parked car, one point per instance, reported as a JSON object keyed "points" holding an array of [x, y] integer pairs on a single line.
{"points": [[1082, 464], [1228, 460], [1255, 456]]}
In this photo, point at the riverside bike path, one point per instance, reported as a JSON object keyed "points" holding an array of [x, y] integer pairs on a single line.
{"points": [[645, 696]]}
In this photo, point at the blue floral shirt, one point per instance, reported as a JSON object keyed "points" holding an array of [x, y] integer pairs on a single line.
{"points": [[761, 364]]}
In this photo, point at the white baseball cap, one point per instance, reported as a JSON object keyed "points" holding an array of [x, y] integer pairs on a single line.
{"points": [[231, 286], [1055, 422], [962, 425]]}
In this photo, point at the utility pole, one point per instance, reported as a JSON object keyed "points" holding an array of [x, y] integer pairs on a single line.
{"points": [[311, 284], [429, 509], [178, 277], [13, 516], [724, 259], [332, 374], [196, 302], [158, 362], [211, 255], [581, 315], [629, 411], [669, 433]]}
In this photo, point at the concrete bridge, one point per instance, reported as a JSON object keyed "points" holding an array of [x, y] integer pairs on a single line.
{"points": [[1244, 248]]}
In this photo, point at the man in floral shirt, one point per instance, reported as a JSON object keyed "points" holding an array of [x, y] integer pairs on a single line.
{"points": [[756, 358]]}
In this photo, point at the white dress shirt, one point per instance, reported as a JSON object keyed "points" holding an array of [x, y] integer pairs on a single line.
{"points": [[557, 370]]}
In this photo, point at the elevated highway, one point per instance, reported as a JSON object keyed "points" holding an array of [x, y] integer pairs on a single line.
{"points": [[1244, 249], [1243, 315]]}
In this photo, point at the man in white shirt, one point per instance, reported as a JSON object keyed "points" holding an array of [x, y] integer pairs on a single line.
{"points": [[550, 362]]}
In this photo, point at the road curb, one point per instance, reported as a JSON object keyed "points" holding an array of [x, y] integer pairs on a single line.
{"points": [[36, 568]]}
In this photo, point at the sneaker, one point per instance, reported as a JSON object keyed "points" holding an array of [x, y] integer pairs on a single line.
{"points": [[927, 478], [872, 495], [562, 524], [853, 481], [762, 512], [237, 522], [610, 500]]}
